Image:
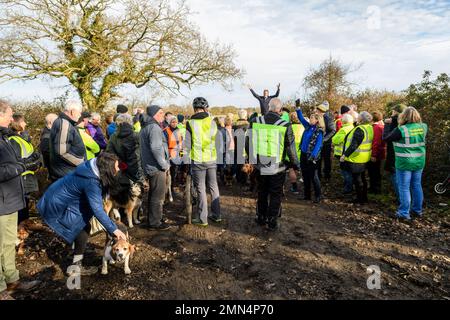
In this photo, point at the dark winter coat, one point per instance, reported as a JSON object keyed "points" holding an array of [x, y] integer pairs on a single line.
{"points": [[11, 188]]}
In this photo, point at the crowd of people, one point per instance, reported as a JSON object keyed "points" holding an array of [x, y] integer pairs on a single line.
{"points": [[86, 164]]}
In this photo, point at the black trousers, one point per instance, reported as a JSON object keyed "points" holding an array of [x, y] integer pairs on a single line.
{"points": [[82, 239], [270, 194], [360, 182], [374, 169], [326, 159], [310, 173]]}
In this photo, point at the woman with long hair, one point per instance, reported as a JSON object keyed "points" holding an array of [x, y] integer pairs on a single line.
{"points": [[409, 140], [69, 204], [310, 147]]}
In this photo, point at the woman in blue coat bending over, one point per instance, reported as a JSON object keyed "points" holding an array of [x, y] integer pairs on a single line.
{"points": [[69, 204]]}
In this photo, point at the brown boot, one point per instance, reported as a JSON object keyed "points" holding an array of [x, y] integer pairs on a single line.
{"points": [[22, 286]]}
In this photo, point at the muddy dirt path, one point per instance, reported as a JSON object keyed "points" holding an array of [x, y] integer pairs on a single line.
{"points": [[320, 252]]}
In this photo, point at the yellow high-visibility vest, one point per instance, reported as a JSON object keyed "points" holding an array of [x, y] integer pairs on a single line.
{"points": [[364, 151], [203, 140], [26, 150]]}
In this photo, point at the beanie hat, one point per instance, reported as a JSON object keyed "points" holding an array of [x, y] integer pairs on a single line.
{"points": [[344, 109], [180, 118], [121, 109], [324, 106], [152, 110]]}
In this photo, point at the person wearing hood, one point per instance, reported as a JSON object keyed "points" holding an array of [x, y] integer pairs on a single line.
{"points": [[124, 143], [69, 204], [155, 164]]}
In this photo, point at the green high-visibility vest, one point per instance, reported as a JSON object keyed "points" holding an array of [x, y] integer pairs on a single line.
{"points": [[26, 150], [410, 151], [364, 151], [203, 140], [339, 138], [268, 139]]}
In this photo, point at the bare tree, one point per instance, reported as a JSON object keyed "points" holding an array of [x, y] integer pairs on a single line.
{"points": [[100, 45], [329, 81]]}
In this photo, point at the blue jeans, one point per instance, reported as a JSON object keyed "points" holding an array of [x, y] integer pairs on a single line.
{"points": [[395, 184], [409, 181], [348, 181]]}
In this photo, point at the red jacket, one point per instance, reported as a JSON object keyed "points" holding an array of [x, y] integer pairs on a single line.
{"points": [[338, 122], [378, 145]]}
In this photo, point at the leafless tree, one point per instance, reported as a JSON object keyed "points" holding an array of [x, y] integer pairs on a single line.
{"points": [[100, 45]]}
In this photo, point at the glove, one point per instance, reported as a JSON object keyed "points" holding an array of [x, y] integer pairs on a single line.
{"points": [[33, 166]]}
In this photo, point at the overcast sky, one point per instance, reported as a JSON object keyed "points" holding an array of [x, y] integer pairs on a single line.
{"points": [[278, 40]]}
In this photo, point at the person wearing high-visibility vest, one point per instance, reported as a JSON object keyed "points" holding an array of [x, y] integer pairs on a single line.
{"points": [[181, 125], [201, 137], [338, 144], [25, 151], [357, 153], [92, 147], [298, 130], [270, 140], [175, 146], [409, 141]]}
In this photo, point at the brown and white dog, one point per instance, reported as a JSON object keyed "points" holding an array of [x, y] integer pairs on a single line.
{"points": [[131, 202], [117, 251]]}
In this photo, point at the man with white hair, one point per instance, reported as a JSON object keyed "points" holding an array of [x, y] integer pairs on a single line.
{"points": [[67, 149], [271, 145], [95, 131]]}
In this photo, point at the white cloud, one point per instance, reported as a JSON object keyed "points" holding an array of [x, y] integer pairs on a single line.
{"points": [[278, 40]]}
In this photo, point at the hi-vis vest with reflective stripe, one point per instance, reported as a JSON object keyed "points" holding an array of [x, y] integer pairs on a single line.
{"points": [[298, 130], [342, 133], [203, 140], [26, 150], [174, 142], [268, 139], [410, 151], [364, 151]]}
